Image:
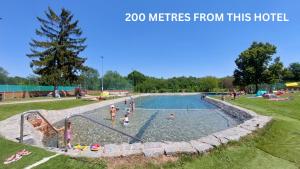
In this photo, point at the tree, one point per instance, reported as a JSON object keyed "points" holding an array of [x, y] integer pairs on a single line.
{"points": [[114, 81], [3, 76], [227, 82], [17, 80], [90, 79], [295, 69], [288, 75], [32, 80], [136, 77], [252, 64], [55, 55], [276, 71], [208, 84]]}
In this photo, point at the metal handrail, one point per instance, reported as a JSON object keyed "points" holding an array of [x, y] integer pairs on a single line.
{"points": [[36, 112], [94, 121]]}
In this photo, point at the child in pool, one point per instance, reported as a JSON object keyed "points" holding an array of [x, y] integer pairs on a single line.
{"points": [[171, 117], [125, 120]]}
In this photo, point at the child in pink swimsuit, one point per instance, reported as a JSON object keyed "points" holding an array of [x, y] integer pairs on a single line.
{"points": [[69, 136]]}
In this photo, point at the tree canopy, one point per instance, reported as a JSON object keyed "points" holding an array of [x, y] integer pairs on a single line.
{"points": [[55, 54], [3, 76], [253, 63], [136, 77], [90, 79], [178, 84], [114, 81], [292, 73], [275, 71]]}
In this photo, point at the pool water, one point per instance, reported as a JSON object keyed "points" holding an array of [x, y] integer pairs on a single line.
{"points": [[194, 118]]}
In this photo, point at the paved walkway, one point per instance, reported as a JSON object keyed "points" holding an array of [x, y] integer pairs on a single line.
{"points": [[44, 100]]}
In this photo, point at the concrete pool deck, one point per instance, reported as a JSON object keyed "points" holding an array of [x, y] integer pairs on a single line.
{"points": [[251, 121], [10, 127]]}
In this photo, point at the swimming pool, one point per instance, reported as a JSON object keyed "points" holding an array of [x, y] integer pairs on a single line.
{"points": [[194, 118]]}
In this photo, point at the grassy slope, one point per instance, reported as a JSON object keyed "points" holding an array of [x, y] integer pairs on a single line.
{"points": [[11, 109], [8, 148], [66, 162]]}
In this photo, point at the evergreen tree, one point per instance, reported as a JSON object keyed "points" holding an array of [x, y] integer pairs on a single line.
{"points": [[55, 55]]}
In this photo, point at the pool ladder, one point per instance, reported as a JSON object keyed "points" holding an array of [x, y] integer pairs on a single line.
{"points": [[45, 120]]}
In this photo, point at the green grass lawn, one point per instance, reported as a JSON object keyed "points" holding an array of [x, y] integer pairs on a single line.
{"points": [[275, 146], [65, 162], [8, 148], [11, 109], [28, 99]]}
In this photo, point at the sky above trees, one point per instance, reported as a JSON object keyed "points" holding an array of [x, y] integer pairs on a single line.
{"points": [[158, 49]]}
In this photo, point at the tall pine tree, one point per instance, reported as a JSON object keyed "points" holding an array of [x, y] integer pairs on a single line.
{"points": [[55, 54]]}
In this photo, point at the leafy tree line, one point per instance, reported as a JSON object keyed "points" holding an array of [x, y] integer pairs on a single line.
{"points": [[16, 80], [90, 79], [143, 83]]}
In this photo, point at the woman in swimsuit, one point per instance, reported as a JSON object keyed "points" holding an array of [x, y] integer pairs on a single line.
{"points": [[113, 112]]}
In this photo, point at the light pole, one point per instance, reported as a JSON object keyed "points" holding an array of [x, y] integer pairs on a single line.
{"points": [[102, 74]]}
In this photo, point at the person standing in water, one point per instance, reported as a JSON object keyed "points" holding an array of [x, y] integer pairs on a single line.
{"points": [[132, 105], [113, 112]]}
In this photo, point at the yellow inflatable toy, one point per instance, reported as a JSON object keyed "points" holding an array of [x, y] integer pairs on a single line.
{"points": [[293, 84], [80, 147]]}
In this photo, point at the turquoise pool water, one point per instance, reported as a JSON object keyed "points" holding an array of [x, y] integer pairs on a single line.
{"points": [[172, 102], [194, 118]]}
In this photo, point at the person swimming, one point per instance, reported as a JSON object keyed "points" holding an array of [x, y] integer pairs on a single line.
{"points": [[171, 116]]}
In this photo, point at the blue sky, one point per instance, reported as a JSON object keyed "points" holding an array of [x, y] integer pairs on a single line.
{"points": [[156, 49]]}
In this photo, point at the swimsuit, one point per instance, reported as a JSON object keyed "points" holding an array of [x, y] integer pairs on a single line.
{"points": [[68, 134], [126, 123]]}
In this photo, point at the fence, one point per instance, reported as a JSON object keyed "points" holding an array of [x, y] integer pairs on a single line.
{"points": [[30, 88], [9, 92]]}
